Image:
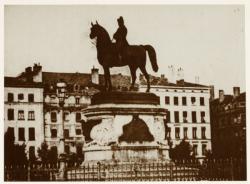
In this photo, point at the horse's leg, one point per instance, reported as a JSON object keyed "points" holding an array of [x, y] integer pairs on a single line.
{"points": [[145, 73], [108, 78], [133, 75]]}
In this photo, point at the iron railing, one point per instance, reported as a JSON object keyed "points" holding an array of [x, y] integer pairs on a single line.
{"points": [[184, 170]]}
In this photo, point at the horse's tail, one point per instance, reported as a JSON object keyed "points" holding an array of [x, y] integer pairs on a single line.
{"points": [[152, 56]]}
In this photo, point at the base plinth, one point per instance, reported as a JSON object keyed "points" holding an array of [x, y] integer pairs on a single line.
{"points": [[127, 126]]}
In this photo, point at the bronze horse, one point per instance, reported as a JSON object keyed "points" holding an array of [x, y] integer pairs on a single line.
{"points": [[134, 56]]}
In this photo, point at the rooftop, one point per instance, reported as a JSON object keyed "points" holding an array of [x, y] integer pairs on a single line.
{"points": [[84, 80], [229, 99], [162, 81], [20, 82]]}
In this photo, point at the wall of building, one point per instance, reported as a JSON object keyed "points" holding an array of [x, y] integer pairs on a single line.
{"points": [[228, 123], [26, 106], [71, 108], [188, 92]]}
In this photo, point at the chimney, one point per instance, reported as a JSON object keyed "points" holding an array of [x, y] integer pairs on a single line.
{"points": [[28, 74], [37, 73], [94, 75], [171, 74], [236, 91], [162, 76], [197, 79], [180, 74], [211, 92], [28, 70], [221, 95], [180, 82], [37, 68]]}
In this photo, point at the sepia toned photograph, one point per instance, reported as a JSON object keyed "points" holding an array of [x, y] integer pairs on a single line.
{"points": [[109, 92]]}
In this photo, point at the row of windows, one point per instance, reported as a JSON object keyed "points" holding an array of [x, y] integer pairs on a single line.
{"points": [[20, 96], [21, 134], [20, 115], [185, 134], [77, 99], [231, 119], [67, 149], [184, 100], [185, 117], [66, 133], [78, 149], [53, 116], [175, 90], [195, 148]]}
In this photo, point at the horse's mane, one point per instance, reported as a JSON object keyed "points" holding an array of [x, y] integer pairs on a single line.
{"points": [[105, 33]]}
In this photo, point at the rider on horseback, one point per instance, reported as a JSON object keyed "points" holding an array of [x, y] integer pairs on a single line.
{"points": [[120, 37]]}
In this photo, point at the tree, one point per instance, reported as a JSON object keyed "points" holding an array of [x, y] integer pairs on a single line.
{"points": [[13, 153], [181, 151], [32, 156], [43, 152], [209, 154], [46, 154]]}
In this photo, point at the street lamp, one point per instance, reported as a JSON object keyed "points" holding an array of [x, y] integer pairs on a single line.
{"points": [[61, 93], [61, 96]]}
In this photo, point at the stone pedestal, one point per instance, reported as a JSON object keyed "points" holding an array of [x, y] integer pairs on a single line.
{"points": [[125, 126]]}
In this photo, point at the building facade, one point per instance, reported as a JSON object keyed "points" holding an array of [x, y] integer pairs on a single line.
{"points": [[188, 112], [66, 95], [60, 98], [23, 108], [228, 123], [63, 118]]}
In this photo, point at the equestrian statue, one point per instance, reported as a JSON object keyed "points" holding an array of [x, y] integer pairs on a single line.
{"points": [[120, 53]]}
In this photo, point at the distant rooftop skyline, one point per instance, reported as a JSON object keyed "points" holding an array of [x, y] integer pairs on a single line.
{"points": [[205, 40]]}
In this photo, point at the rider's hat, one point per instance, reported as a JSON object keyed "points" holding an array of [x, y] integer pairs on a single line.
{"points": [[120, 20]]}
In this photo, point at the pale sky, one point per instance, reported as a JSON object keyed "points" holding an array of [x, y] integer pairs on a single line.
{"points": [[205, 40]]}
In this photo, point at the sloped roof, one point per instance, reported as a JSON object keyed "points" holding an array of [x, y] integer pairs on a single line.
{"points": [[118, 80], [229, 99], [20, 82], [241, 97], [189, 84], [162, 81], [84, 80], [69, 78]]}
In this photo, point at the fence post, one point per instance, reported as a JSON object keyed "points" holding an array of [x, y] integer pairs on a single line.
{"points": [[62, 170], [171, 171], [99, 171], [135, 170], [232, 168], [28, 170]]}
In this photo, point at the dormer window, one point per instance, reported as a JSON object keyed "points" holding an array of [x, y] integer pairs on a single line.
{"points": [[76, 87]]}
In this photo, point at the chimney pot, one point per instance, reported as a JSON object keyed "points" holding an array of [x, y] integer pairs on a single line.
{"points": [[236, 91], [28, 69], [221, 95], [37, 68], [94, 75], [180, 82]]}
